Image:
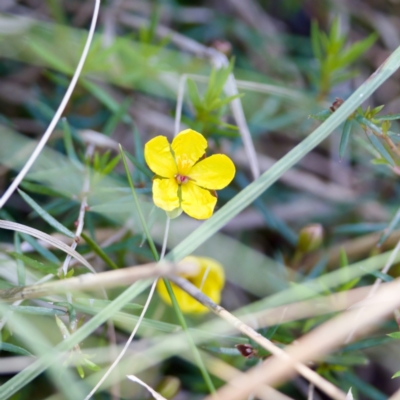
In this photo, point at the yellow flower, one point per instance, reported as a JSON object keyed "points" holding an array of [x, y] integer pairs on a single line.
{"points": [[183, 179], [209, 279]]}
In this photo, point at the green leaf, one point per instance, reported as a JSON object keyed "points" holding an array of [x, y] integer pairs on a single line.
{"points": [[334, 33], [118, 116], [356, 50], [344, 262], [376, 110], [104, 97], [315, 41], [45, 268], [14, 349], [41, 189], [366, 343], [388, 117], [37, 310], [42, 51], [380, 148], [391, 227], [344, 140], [45, 253], [218, 103], [109, 167], [140, 166], [45, 215], [99, 251], [141, 216], [362, 386], [365, 121], [68, 143], [396, 375], [20, 264], [193, 94], [346, 359], [100, 304], [322, 115], [90, 365], [394, 335], [382, 276]]}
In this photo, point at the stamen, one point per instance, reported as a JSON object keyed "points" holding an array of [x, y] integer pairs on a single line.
{"points": [[181, 179]]}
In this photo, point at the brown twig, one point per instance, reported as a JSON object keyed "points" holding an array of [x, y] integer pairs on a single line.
{"points": [[306, 372], [317, 343], [108, 279]]}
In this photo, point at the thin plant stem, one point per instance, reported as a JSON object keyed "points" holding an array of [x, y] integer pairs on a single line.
{"points": [[82, 210], [139, 321], [374, 288], [179, 103], [302, 369], [175, 304], [107, 279], [58, 113]]}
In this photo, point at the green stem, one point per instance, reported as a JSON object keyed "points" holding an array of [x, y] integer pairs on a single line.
{"points": [[193, 346], [98, 250], [175, 304]]}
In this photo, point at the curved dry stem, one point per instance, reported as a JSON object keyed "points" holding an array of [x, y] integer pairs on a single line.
{"points": [[142, 314], [58, 113], [108, 279], [306, 372], [319, 341]]}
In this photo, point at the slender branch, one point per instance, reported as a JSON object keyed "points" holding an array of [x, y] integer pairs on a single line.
{"points": [[306, 372], [142, 314], [108, 279], [374, 288], [82, 209], [179, 103], [58, 113]]}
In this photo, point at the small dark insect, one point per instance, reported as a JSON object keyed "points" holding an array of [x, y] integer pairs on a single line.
{"points": [[246, 350], [336, 104]]}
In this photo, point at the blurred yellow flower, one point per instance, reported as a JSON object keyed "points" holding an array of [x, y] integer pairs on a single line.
{"points": [[209, 279], [184, 179]]}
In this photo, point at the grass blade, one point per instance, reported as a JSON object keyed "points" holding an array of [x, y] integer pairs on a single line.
{"points": [[45, 215], [255, 189]]}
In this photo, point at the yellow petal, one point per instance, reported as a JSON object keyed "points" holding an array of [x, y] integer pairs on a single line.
{"points": [[211, 275], [197, 202], [213, 172], [165, 193], [158, 156], [215, 273], [188, 147], [209, 279]]}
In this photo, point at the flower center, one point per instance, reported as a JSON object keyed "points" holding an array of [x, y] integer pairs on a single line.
{"points": [[181, 179]]}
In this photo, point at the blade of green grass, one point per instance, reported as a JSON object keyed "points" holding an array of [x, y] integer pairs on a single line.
{"points": [[39, 345], [16, 383], [45, 215], [99, 251], [256, 188], [13, 226], [20, 263]]}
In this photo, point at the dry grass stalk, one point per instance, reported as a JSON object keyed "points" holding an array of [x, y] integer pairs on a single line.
{"points": [[108, 279], [227, 373], [315, 344], [303, 370]]}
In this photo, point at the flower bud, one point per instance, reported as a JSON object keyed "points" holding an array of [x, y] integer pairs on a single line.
{"points": [[169, 387], [310, 238], [246, 350], [174, 213]]}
